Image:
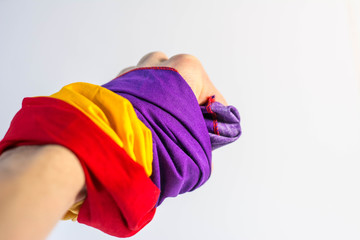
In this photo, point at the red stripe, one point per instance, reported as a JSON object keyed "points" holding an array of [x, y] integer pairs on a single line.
{"points": [[144, 68], [120, 197], [209, 110]]}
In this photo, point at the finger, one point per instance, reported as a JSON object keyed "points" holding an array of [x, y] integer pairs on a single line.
{"points": [[152, 59], [126, 70]]}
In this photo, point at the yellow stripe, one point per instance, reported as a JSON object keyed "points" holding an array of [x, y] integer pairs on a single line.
{"points": [[73, 212], [115, 116]]}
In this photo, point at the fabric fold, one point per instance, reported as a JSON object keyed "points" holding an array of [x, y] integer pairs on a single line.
{"points": [[225, 119], [115, 116], [165, 103]]}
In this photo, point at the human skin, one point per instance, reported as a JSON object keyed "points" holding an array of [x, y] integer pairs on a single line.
{"points": [[189, 67], [38, 184]]}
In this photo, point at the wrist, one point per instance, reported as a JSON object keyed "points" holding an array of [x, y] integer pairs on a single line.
{"points": [[55, 177]]}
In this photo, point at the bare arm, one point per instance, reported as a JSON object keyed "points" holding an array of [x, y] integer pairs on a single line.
{"points": [[37, 186]]}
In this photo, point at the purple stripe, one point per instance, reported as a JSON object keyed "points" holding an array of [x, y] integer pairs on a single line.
{"points": [[165, 103]]}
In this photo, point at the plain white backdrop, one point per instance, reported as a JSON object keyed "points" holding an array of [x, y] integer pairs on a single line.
{"points": [[292, 69]]}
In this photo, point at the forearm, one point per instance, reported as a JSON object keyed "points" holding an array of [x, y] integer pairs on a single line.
{"points": [[37, 185]]}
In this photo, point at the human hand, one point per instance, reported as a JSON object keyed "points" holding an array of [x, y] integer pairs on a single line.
{"points": [[189, 67]]}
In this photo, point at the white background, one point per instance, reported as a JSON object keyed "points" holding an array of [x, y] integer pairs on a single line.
{"points": [[292, 69]]}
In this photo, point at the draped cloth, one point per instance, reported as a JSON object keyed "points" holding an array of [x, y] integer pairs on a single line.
{"points": [[182, 131], [120, 197], [140, 138]]}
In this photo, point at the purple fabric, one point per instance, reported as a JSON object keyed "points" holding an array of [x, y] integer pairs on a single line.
{"points": [[165, 103], [183, 132], [228, 122]]}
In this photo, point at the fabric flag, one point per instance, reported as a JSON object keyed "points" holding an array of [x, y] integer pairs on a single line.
{"points": [[140, 138]]}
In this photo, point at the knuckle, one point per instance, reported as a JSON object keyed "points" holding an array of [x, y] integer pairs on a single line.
{"points": [[185, 57], [156, 54], [152, 58]]}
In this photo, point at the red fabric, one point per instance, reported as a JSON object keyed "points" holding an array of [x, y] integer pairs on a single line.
{"points": [[120, 197]]}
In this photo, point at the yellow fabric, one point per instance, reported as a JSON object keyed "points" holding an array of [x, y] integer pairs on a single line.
{"points": [[116, 117], [73, 211]]}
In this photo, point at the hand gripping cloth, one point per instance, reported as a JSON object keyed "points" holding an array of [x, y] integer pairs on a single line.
{"points": [[165, 103], [143, 141]]}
